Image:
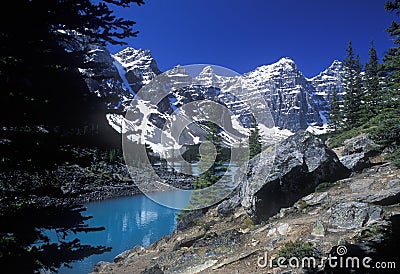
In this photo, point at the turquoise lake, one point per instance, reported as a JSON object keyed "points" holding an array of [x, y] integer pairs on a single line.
{"points": [[129, 221]]}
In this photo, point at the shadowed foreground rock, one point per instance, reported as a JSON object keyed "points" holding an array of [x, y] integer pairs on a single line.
{"points": [[279, 177]]}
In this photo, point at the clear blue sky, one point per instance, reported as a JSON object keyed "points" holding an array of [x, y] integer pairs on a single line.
{"points": [[242, 35]]}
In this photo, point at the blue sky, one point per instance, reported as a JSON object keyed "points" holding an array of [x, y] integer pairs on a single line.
{"points": [[242, 35]]}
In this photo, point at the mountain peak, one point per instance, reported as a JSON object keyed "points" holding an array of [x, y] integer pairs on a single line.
{"points": [[207, 76], [285, 60], [131, 53], [127, 49], [283, 64], [336, 64], [207, 70]]}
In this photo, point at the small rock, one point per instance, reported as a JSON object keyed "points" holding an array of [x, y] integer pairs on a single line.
{"points": [[100, 266], [155, 269], [315, 198], [284, 211], [357, 152], [318, 229], [271, 232], [283, 229], [254, 242]]}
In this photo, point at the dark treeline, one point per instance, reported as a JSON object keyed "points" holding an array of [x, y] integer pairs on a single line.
{"points": [[372, 100], [47, 112]]}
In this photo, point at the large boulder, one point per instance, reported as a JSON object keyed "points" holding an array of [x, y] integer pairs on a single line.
{"points": [[351, 215], [278, 177], [358, 151]]}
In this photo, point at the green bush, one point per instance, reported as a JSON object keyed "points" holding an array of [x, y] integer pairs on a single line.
{"points": [[322, 187], [180, 215], [302, 204], [395, 157], [298, 249]]}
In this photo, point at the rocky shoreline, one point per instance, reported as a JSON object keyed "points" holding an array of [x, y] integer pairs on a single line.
{"points": [[74, 184]]}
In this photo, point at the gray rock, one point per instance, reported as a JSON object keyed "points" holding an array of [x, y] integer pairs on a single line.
{"points": [[128, 253], [187, 242], [357, 152], [188, 219], [227, 206], [358, 144], [283, 229], [100, 266], [351, 215], [301, 162], [356, 162], [318, 229], [315, 198], [155, 269]]}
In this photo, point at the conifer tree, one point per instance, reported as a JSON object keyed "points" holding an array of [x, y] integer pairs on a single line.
{"points": [[254, 140], [334, 114], [353, 98], [386, 130], [372, 89], [210, 176]]}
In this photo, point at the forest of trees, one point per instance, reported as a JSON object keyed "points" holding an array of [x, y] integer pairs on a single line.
{"points": [[371, 103], [47, 112]]}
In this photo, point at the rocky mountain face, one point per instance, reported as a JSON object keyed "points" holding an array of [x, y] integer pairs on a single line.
{"points": [[295, 102]]}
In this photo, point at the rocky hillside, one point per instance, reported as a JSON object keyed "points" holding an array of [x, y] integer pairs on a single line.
{"points": [[310, 205]]}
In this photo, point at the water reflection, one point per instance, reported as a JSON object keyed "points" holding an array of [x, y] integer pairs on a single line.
{"points": [[129, 221]]}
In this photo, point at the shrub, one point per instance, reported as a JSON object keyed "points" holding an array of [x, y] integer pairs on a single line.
{"points": [[302, 204], [323, 187], [298, 249]]}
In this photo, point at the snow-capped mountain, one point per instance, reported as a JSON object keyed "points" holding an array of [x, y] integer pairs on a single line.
{"points": [[294, 101], [324, 84], [138, 67], [288, 93]]}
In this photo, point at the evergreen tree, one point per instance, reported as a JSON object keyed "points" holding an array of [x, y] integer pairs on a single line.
{"points": [[254, 140], [40, 58], [43, 44], [334, 114], [386, 130], [372, 87], [392, 63], [209, 150], [353, 99]]}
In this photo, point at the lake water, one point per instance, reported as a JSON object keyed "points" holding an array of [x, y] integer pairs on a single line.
{"points": [[129, 221]]}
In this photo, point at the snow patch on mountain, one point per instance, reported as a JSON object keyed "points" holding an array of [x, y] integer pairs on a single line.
{"points": [[292, 101]]}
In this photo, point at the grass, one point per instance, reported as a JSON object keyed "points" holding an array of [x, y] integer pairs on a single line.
{"points": [[336, 139], [248, 222], [322, 187]]}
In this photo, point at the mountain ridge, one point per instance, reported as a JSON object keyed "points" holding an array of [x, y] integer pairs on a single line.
{"points": [[295, 101]]}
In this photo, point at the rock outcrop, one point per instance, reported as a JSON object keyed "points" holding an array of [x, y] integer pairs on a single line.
{"points": [[358, 151], [278, 177]]}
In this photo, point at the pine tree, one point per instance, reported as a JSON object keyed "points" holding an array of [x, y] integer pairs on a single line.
{"points": [[255, 146], [353, 99], [386, 130], [209, 150], [40, 57], [372, 89], [334, 114]]}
